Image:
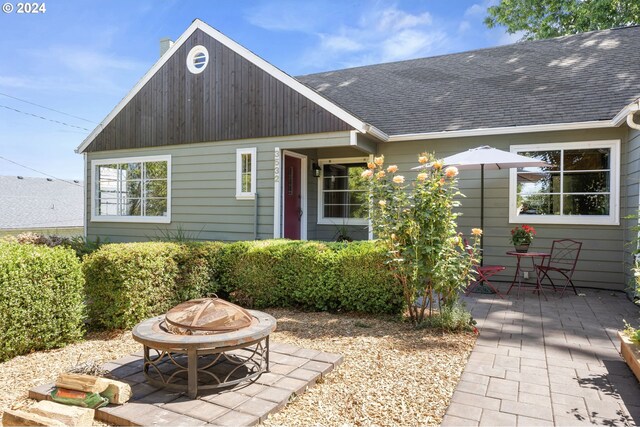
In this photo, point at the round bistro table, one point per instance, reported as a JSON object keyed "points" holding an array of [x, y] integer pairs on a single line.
{"points": [[224, 359], [518, 276]]}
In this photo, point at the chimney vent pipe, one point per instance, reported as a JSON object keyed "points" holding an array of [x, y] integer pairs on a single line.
{"points": [[165, 45]]}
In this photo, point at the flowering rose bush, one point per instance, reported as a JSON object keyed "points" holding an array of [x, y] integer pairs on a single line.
{"points": [[416, 223]]}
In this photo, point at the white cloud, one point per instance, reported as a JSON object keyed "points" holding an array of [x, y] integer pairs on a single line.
{"points": [[464, 26], [409, 44], [478, 10], [288, 15], [383, 33], [392, 19], [374, 32], [506, 38], [339, 43], [475, 10]]}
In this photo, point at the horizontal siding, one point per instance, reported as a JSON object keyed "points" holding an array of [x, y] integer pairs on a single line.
{"points": [[631, 184], [203, 189], [601, 260], [204, 204]]}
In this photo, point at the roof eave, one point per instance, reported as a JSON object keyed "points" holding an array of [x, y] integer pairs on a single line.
{"points": [[507, 130]]}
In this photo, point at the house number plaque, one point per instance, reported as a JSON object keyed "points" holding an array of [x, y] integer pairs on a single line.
{"points": [[276, 165]]}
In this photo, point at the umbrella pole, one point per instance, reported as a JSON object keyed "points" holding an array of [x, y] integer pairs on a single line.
{"points": [[482, 214]]}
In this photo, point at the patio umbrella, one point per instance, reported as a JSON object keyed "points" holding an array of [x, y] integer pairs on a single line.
{"points": [[487, 158]]}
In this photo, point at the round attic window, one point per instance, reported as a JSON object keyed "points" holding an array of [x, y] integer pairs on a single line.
{"points": [[197, 59]]}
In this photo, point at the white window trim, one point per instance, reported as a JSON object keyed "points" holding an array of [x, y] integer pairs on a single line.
{"points": [[337, 221], [191, 56], [246, 195], [114, 218], [614, 210]]}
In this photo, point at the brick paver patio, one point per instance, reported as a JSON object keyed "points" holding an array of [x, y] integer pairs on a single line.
{"points": [[552, 362], [292, 371]]}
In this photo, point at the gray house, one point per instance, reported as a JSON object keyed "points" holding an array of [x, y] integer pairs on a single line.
{"points": [[223, 145]]}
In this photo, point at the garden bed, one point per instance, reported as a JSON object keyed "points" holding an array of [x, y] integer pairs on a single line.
{"points": [[392, 374], [630, 352]]}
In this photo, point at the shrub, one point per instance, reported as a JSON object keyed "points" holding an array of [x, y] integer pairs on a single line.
{"points": [[198, 266], [129, 282], [276, 273], [41, 298], [416, 223], [79, 244], [363, 282], [450, 319], [310, 275]]}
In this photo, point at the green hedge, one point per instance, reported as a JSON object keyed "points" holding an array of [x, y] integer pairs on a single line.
{"points": [[362, 280], [41, 298], [127, 283], [277, 273]]}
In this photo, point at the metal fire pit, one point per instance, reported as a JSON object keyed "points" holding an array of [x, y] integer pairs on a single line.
{"points": [[204, 361]]}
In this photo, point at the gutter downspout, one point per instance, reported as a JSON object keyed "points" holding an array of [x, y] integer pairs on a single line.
{"points": [[633, 109], [255, 216]]}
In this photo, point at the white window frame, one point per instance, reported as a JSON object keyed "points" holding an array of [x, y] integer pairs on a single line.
{"points": [[246, 195], [199, 49], [337, 221], [614, 208], [128, 218]]}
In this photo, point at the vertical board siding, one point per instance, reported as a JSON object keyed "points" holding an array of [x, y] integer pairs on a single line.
{"points": [[601, 260], [231, 99]]}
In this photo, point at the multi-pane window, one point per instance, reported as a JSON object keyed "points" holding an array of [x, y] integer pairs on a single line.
{"points": [[134, 189], [245, 173], [579, 186], [343, 194]]}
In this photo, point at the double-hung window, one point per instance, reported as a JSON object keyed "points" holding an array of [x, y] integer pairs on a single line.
{"points": [[131, 189], [246, 162], [342, 193], [580, 185]]}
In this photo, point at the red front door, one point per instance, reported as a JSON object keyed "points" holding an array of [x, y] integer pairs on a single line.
{"points": [[292, 197]]}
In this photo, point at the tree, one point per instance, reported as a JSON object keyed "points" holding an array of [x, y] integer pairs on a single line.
{"points": [[541, 19]]}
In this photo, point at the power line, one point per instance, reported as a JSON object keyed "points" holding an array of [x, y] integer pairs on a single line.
{"points": [[46, 108], [40, 172], [44, 118]]}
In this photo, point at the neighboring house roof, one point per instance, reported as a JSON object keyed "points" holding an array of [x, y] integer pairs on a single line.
{"points": [[28, 203], [579, 78]]}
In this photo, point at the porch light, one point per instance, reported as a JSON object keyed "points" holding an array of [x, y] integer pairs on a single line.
{"points": [[316, 170]]}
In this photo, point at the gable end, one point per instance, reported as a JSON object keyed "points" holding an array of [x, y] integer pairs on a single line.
{"points": [[231, 99]]}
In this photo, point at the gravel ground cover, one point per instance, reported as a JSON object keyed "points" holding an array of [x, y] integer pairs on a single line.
{"points": [[392, 375]]}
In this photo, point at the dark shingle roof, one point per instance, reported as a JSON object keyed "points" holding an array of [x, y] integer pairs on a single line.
{"points": [[29, 203], [578, 78]]}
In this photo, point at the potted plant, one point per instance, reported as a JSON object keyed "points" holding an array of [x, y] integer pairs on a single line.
{"points": [[630, 348], [521, 237]]}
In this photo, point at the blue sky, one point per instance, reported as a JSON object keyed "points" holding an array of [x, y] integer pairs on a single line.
{"points": [[82, 57]]}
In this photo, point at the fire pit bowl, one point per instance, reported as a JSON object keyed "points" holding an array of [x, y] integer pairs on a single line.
{"points": [[192, 360]]}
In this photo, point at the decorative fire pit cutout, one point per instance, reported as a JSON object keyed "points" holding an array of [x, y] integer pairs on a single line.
{"points": [[205, 344], [207, 315]]}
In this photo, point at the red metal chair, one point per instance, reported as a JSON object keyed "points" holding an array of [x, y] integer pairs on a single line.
{"points": [[563, 260], [483, 272]]}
